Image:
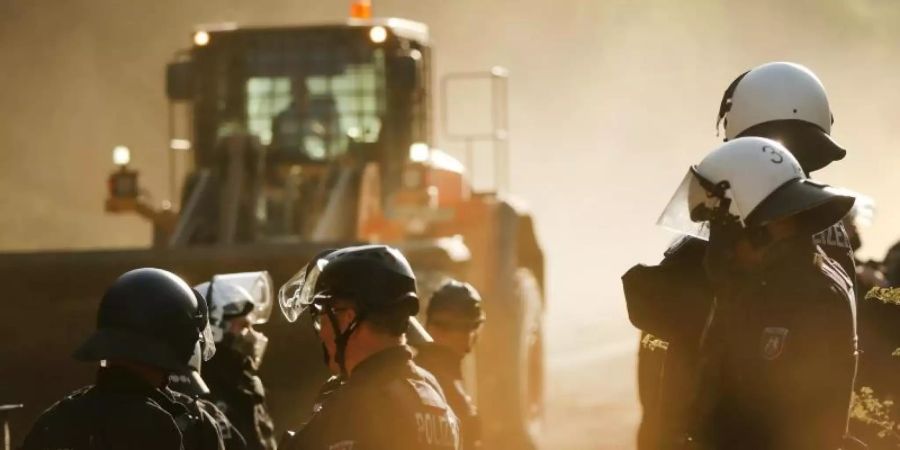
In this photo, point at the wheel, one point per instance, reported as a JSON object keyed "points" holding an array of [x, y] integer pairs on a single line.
{"points": [[511, 367]]}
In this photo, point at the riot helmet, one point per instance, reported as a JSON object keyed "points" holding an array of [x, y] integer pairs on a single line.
{"points": [[151, 316], [374, 278], [785, 102], [232, 296], [456, 304], [751, 182]]}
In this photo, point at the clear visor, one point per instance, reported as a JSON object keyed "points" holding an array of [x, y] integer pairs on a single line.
{"points": [[863, 212], [677, 215], [298, 294], [208, 343], [231, 292], [197, 357]]}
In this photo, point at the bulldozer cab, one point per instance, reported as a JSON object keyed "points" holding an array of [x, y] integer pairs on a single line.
{"points": [[283, 120]]}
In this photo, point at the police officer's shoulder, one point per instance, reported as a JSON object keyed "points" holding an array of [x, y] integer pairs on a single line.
{"points": [[121, 421], [144, 424], [685, 249], [822, 281], [68, 403], [64, 412], [415, 392], [420, 404]]}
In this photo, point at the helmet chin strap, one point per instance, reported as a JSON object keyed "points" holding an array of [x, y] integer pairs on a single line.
{"points": [[341, 339]]}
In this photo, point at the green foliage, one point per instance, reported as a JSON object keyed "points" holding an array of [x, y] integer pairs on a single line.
{"points": [[887, 295], [653, 343], [865, 407]]}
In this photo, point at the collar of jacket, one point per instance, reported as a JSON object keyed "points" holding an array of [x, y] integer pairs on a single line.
{"points": [[384, 363], [120, 379]]}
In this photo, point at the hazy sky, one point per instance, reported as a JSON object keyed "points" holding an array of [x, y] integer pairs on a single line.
{"points": [[610, 100]]}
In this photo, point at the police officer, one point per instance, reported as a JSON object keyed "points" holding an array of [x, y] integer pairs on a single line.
{"points": [[779, 100], [360, 300], [779, 352], [150, 324], [306, 129], [238, 302], [453, 319]]}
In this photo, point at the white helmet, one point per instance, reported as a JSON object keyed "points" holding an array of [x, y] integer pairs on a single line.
{"points": [[753, 181], [246, 294], [786, 102]]}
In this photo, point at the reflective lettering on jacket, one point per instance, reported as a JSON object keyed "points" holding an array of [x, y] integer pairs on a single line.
{"points": [[436, 430], [834, 236]]}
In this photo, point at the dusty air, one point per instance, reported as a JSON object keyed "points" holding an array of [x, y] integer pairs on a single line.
{"points": [[456, 225]]}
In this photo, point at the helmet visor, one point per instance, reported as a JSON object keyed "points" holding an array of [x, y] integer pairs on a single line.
{"points": [[206, 342], [247, 293], [680, 214], [298, 294]]}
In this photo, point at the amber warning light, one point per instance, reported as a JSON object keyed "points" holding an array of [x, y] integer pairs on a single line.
{"points": [[361, 9]]}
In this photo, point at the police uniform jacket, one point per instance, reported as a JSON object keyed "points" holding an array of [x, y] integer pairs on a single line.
{"points": [[446, 366], [238, 392], [779, 354], [672, 301], [122, 411], [388, 403]]}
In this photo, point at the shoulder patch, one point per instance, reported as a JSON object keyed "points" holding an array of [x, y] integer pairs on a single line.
{"points": [[772, 342]]}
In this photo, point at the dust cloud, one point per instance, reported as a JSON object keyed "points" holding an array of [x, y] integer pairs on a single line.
{"points": [[610, 102]]}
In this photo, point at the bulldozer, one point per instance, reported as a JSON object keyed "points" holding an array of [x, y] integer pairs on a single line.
{"points": [[299, 139]]}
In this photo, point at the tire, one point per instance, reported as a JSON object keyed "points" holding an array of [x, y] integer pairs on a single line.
{"points": [[513, 368]]}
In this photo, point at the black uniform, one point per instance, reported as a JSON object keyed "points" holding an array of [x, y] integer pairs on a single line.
{"points": [[232, 438], [387, 403], [672, 301], [779, 354], [238, 392], [446, 366], [122, 411]]}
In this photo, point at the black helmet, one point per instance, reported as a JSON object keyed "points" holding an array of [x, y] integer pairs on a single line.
{"points": [[150, 316], [375, 277], [460, 303]]}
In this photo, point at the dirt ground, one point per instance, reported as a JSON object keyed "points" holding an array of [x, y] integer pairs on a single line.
{"points": [[591, 397]]}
